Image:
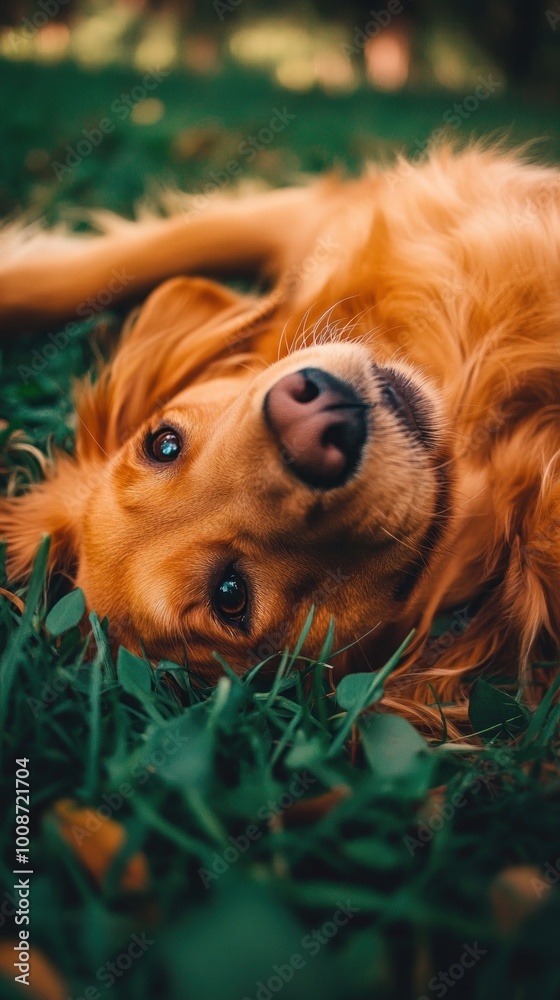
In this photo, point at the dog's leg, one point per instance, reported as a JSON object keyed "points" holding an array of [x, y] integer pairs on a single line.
{"points": [[53, 280]]}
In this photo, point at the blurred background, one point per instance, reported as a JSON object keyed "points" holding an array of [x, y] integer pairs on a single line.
{"points": [[104, 104], [105, 101]]}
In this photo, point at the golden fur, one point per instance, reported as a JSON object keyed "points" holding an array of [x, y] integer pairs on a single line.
{"points": [[448, 272]]}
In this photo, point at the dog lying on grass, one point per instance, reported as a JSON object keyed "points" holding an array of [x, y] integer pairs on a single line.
{"points": [[376, 434]]}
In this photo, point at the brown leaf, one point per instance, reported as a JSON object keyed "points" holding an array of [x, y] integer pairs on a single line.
{"points": [[311, 810], [96, 840], [515, 893]]}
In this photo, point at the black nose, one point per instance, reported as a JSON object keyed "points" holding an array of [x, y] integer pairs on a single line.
{"points": [[320, 424]]}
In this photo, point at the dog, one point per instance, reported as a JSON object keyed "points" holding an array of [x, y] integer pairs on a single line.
{"points": [[375, 433]]}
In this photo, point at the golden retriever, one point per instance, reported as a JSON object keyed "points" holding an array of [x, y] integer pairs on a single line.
{"points": [[377, 433]]}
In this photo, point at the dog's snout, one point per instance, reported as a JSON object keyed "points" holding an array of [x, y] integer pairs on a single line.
{"points": [[319, 422]]}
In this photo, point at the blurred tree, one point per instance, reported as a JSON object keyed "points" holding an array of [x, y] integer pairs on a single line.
{"points": [[517, 35], [509, 30], [13, 13]]}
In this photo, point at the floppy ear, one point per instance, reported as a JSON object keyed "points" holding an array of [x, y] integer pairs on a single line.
{"points": [[186, 325], [50, 508]]}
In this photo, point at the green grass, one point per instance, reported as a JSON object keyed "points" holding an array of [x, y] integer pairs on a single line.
{"points": [[411, 858], [204, 785]]}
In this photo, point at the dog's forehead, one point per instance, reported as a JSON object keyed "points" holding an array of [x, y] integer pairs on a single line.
{"points": [[214, 394]]}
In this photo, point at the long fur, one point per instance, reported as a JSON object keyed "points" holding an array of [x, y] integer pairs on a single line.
{"points": [[449, 268]]}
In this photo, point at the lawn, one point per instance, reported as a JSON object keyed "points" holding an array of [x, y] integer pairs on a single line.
{"points": [[267, 836]]}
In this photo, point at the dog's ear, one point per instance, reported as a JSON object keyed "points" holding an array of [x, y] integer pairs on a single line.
{"points": [[186, 325], [52, 508]]}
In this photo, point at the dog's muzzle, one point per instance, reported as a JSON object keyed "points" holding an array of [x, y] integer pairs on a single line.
{"points": [[320, 425]]}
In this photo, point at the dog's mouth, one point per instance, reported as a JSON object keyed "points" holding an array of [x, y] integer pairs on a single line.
{"points": [[321, 422], [400, 394]]}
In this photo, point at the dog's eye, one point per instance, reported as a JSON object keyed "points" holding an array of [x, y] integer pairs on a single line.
{"points": [[165, 446], [230, 596]]}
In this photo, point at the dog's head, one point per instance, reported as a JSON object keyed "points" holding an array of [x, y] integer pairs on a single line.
{"points": [[240, 503], [243, 499]]}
